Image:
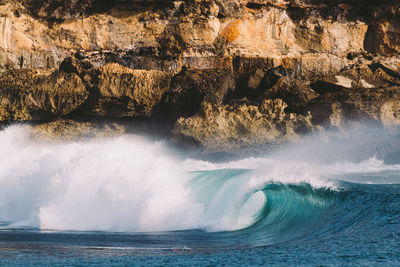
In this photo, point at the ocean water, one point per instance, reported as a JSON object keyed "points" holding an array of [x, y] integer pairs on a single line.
{"points": [[327, 200]]}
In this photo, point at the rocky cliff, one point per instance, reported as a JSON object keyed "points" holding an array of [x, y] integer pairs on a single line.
{"points": [[218, 74]]}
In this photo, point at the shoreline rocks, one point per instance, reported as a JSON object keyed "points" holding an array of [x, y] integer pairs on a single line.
{"points": [[220, 75], [30, 95], [229, 128]]}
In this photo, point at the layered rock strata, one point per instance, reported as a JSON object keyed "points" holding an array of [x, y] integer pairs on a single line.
{"points": [[224, 74]]}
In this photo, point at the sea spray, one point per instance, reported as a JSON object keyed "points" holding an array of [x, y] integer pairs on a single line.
{"points": [[117, 184], [134, 184]]}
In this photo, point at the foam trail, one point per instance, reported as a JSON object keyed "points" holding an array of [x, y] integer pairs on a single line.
{"points": [[130, 183]]}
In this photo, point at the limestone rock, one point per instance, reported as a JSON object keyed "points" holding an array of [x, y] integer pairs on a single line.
{"points": [[226, 128], [358, 93], [66, 129], [124, 92], [255, 79], [29, 95], [295, 93], [74, 65], [191, 87], [167, 35], [338, 60], [390, 113]]}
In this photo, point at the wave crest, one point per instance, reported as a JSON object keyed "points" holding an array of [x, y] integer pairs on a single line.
{"points": [[132, 184]]}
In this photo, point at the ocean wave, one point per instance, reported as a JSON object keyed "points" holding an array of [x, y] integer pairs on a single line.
{"points": [[132, 184]]}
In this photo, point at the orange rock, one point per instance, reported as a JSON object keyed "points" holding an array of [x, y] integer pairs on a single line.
{"points": [[231, 31]]}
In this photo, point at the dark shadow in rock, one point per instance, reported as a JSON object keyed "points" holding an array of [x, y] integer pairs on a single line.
{"points": [[323, 87], [370, 39], [191, 87], [55, 11]]}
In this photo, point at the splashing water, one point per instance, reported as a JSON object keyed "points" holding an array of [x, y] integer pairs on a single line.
{"points": [[132, 184], [135, 190]]}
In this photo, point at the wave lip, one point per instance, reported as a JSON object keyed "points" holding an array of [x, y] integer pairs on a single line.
{"points": [[290, 211], [245, 213], [273, 213]]}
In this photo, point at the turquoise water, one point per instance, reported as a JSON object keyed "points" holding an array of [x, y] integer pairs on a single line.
{"points": [[358, 224], [103, 202]]}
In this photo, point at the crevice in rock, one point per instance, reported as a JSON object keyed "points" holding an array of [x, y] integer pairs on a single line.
{"points": [[255, 6], [370, 41]]}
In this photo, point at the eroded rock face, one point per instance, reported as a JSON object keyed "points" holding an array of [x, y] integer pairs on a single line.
{"points": [[360, 93], [125, 92], [66, 130], [226, 128], [29, 95], [296, 93], [167, 35], [191, 87], [236, 73]]}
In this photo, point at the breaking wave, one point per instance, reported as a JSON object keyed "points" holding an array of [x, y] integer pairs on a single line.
{"points": [[133, 184]]}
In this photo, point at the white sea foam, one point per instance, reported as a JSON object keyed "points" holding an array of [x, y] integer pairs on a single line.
{"points": [[130, 183], [121, 184]]}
